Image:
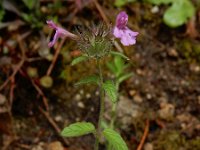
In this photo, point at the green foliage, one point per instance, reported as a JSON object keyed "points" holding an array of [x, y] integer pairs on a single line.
{"points": [[114, 139], [111, 90], [158, 2], [120, 3], [114, 53], [89, 79], [79, 59], [2, 12], [178, 13], [30, 3], [32, 20], [78, 129], [118, 69], [124, 77]]}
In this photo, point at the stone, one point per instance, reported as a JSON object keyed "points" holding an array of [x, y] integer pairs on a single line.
{"points": [[127, 112], [80, 104], [137, 98], [148, 146], [2, 99], [172, 52], [167, 111], [56, 145]]}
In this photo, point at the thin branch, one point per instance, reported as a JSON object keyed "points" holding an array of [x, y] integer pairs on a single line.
{"points": [[55, 57], [53, 123], [146, 131]]}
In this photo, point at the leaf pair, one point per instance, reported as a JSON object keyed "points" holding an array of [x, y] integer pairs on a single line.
{"points": [[108, 86], [83, 128]]}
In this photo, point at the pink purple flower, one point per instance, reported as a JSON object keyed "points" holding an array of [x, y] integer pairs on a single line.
{"points": [[121, 31], [60, 32]]}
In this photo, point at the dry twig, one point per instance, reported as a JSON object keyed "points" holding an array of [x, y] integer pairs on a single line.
{"points": [[55, 57], [146, 131], [53, 123]]}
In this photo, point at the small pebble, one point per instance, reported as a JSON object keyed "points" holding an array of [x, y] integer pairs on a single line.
{"points": [[77, 97], [198, 98], [58, 118], [81, 104], [97, 93], [88, 95], [172, 52], [2, 99], [167, 111], [149, 96], [137, 98], [81, 92], [195, 68], [148, 146], [155, 10], [56, 145], [132, 92]]}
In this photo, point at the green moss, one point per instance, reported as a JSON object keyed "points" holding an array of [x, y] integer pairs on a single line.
{"points": [[174, 140], [193, 144], [169, 140], [190, 50]]}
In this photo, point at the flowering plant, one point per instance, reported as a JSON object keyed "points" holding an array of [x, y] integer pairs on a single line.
{"points": [[97, 43]]}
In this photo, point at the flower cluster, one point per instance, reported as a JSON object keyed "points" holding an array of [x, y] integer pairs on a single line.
{"points": [[120, 30], [95, 42]]}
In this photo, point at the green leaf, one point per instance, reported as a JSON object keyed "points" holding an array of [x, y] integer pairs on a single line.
{"points": [[114, 139], [124, 77], [79, 59], [119, 64], [120, 3], [179, 13], [112, 67], [111, 90], [2, 12], [158, 2], [89, 79], [30, 3], [78, 129], [119, 54]]}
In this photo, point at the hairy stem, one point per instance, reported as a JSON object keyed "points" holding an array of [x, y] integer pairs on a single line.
{"points": [[101, 106]]}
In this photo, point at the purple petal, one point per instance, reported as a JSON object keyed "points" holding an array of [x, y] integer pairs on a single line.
{"points": [[51, 24], [128, 37], [117, 32], [55, 38], [122, 19]]}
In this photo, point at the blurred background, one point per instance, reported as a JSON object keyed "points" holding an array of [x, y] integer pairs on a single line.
{"points": [[159, 105]]}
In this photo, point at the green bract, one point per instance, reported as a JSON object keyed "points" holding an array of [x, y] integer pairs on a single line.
{"points": [[95, 42]]}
